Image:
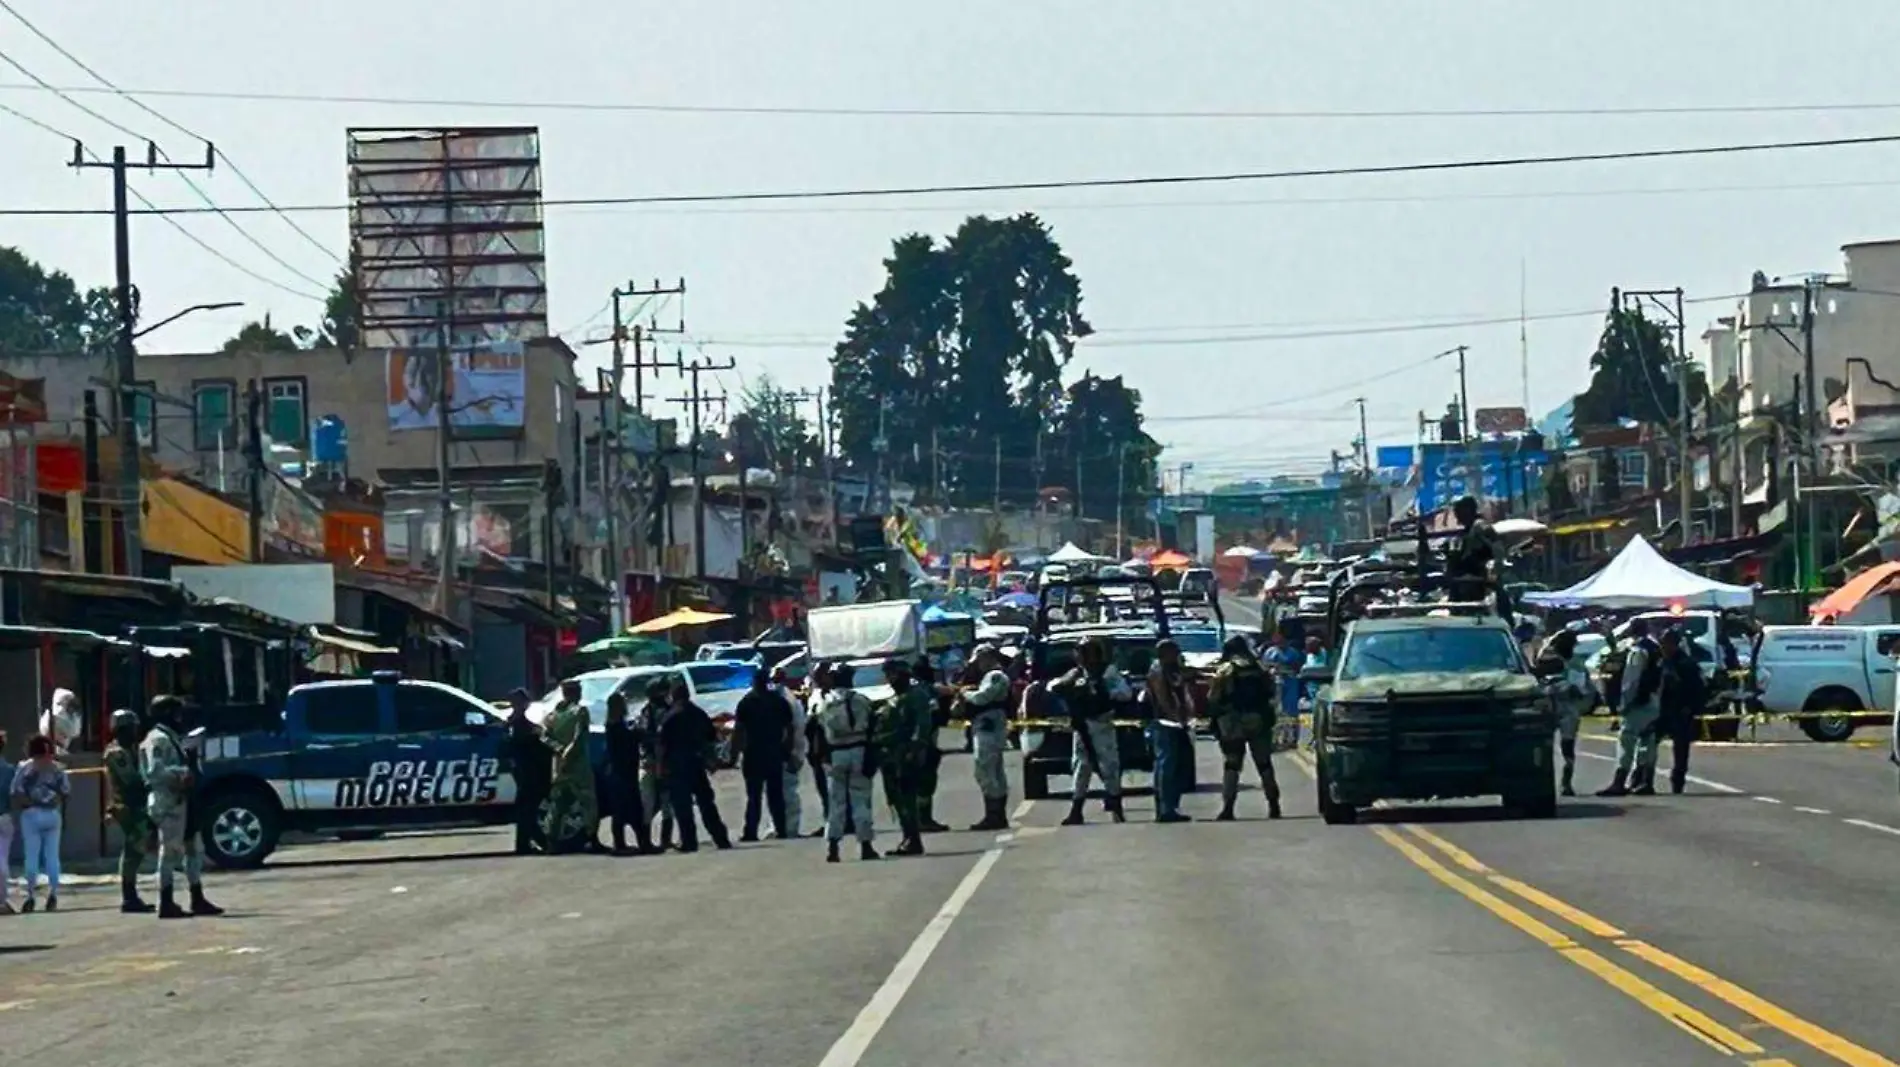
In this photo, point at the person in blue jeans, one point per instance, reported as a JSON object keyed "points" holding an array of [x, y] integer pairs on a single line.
{"points": [[38, 799], [1285, 661], [1168, 728]]}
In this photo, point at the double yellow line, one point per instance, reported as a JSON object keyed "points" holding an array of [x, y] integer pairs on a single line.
{"points": [[1471, 880]]}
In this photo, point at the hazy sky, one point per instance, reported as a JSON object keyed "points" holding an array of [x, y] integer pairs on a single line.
{"points": [[1194, 288]]}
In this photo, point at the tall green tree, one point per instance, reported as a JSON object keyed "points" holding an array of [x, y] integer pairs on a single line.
{"points": [[1633, 374], [261, 336], [770, 430], [959, 356], [1100, 430], [45, 311]]}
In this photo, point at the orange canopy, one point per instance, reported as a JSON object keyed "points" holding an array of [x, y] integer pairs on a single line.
{"points": [[1858, 588], [1169, 559]]}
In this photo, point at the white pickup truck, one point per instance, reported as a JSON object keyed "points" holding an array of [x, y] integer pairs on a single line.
{"points": [[1844, 671]]}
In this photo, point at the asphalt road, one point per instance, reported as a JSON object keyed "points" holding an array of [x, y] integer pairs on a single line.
{"points": [[1709, 928]]}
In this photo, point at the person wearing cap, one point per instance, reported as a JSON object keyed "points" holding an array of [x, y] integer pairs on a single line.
{"points": [[531, 764], [571, 796], [904, 735], [125, 805], [987, 705], [1562, 669], [924, 676]]}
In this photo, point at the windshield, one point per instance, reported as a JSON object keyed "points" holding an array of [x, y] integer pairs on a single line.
{"points": [[1198, 640], [595, 688], [1430, 649]]}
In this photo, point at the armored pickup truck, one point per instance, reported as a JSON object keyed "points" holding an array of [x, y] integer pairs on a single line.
{"points": [[1429, 707]]}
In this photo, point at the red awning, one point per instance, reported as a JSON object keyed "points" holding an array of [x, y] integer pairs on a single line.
{"points": [[1844, 600]]}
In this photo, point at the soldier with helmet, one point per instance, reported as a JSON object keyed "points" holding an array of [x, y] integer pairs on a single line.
{"points": [[126, 805]]}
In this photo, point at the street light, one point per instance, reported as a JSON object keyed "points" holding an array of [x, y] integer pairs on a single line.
{"points": [[193, 309]]}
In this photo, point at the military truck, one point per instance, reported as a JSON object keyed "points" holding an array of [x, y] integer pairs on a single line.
{"points": [[1431, 702]]}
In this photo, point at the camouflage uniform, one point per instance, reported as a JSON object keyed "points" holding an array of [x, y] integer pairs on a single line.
{"points": [[907, 732], [167, 773], [127, 807], [988, 705], [572, 789], [1241, 697], [845, 718]]}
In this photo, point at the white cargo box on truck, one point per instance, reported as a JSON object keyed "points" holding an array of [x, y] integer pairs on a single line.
{"points": [[864, 631]]}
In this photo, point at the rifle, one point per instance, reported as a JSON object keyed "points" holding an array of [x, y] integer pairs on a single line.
{"points": [[1078, 723]]}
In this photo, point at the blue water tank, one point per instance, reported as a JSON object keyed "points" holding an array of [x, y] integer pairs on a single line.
{"points": [[330, 440]]}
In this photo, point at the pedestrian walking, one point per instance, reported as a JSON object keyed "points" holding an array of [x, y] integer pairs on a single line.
{"points": [[794, 758], [846, 718], [1090, 695], [531, 762], [38, 798], [1284, 660], [762, 738], [1562, 669], [571, 796], [909, 732], [818, 753], [1171, 714], [659, 693], [624, 744], [167, 764], [685, 741], [987, 706], [1636, 733], [7, 771], [126, 800], [1241, 699], [1682, 697]]}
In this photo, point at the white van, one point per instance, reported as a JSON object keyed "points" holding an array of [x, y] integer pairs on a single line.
{"points": [[1843, 669]]}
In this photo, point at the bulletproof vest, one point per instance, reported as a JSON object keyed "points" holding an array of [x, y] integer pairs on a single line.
{"points": [[846, 721], [1249, 689], [1651, 679]]}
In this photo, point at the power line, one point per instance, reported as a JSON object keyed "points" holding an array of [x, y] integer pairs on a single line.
{"points": [[211, 205], [1224, 177], [1210, 115], [169, 221], [229, 163]]}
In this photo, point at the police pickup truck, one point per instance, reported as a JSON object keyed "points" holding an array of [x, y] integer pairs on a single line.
{"points": [[352, 757]]}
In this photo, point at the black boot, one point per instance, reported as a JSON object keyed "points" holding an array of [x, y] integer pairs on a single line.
{"points": [[1226, 811], [866, 852], [1075, 812], [1643, 783], [831, 852], [1114, 805], [168, 908], [1273, 807], [927, 819], [995, 814], [129, 900], [1569, 787], [1677, 781], [202, 906], [1619, 785], [912, 845]]}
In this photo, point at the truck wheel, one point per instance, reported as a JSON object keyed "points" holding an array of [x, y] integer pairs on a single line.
{"points": [[1333, 814], [240, 826], [1035, 783], [1831, 727]]}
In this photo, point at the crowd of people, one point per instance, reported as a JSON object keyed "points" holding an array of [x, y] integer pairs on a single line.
{"points": [[656, 761], [150, 770]]}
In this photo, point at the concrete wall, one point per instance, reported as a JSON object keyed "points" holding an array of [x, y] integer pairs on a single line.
{"points": [[350, 385]]}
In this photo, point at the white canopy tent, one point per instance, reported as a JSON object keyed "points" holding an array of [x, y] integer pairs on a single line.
{"points": [[1070, 552], [1241, 552], [1639, 577]]}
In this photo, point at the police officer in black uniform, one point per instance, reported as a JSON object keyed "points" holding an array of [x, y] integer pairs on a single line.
{"points": [[532, 765]]}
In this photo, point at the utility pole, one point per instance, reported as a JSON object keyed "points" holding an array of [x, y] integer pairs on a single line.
{"points": [[695, 401], [996, 493], [254, 465], [652, 329], [880, 445], [1121, 480], [1671, 301], [125, 297], [1365, 466], [613, 438]]}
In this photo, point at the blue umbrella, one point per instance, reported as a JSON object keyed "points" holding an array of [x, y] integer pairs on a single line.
{"points": [[1023, 601]]}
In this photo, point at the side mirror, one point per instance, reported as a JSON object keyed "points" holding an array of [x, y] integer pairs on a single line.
{"points": [[1322, 674]]}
